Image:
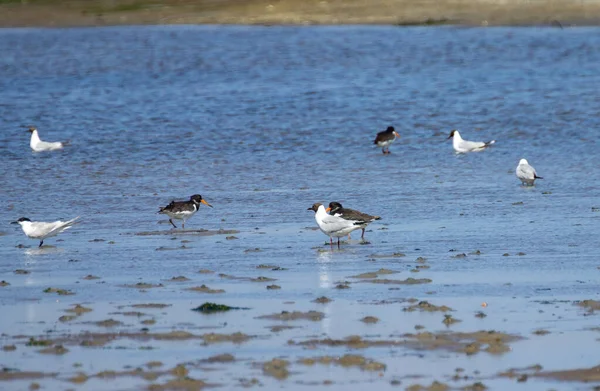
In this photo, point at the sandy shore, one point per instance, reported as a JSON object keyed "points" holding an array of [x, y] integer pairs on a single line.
{"points": [[52, 13]]}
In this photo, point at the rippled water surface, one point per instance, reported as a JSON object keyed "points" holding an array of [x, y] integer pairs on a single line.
{"points": [[264, 122]]}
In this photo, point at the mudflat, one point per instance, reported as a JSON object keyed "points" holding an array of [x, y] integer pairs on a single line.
{"points": [[56, 13], [469, 281]]}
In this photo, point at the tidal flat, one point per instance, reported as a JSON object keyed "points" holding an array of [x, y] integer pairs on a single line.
{"points": [[470, 281]]}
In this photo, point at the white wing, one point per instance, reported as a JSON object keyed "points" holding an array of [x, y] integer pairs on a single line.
{"points": [[525, 171], [471, 145], [39, 229], [46, 146], [336, 224]]}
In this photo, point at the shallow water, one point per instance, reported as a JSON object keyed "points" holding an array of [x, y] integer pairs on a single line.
{"points": [[265, 121]]}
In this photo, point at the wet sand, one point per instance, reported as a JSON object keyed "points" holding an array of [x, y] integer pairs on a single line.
{"points": [[169, 343], [469, 281], [295, 12]]}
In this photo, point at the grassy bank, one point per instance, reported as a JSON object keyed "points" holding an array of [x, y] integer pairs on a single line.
{"points": [[57, 13]]}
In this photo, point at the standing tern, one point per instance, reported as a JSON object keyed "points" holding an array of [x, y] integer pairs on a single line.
{"points": [[41, 230], [183, 210], [464, 146]]}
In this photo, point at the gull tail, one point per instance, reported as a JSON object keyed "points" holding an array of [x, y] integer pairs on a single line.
{"points": [[537, 177], [489, 143], [66, 143], [376, 217]]}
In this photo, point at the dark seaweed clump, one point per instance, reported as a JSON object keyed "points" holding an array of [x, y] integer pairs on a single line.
{"points": [[208, 308]]}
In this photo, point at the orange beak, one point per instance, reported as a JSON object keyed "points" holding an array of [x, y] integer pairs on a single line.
{"points": [[327, 210], [397, 135], [206, 203]]}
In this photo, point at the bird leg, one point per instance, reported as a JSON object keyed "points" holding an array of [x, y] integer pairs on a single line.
{"points": [[183, 224], [173, 224], [338, 243], [331, 241], [363, 234], [383, 150], [41, 242]]}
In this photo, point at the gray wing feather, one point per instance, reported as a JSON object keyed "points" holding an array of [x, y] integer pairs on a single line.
{"points": [[526, 171]]}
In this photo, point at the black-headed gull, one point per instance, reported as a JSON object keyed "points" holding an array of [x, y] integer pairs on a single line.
{"points": [[464, 146], [183, 210], [384, 139], [336, 209], [39, 146], [333, 226], [41, 230], [526, 173]]}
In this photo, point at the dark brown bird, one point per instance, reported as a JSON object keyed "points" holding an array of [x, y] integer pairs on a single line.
{"points": [[336, 209], [385, 139]]}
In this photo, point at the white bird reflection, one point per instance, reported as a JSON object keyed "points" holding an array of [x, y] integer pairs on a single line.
{"points": [[325, 282], [32, 252]]}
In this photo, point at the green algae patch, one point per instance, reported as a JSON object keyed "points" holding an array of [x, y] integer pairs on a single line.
{"points": [[435, 386], [295, 315], [408, 281], [220, 358], [58, 291], [375, 274], [179, 279], [470, 343], [218, 338], [151, 305], [58, 350], [183, 383], [39, 342], [370, 319], [427, 307], [143, 285], [78, 310], [209, 308], [204, 289], [450, 320], [276, 368], [589, 305], [347, 360], [108, 323]]}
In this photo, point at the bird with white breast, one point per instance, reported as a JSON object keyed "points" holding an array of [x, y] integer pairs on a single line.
{"points": [[464, 146], [183, 210], [336, 209], [385, 138], [41, 230], [334, 226], [526, 173], [37, 145]]}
